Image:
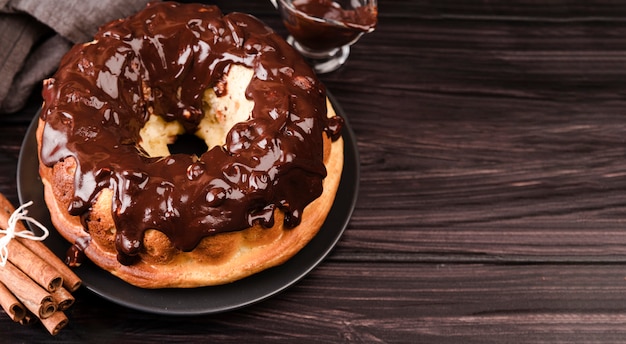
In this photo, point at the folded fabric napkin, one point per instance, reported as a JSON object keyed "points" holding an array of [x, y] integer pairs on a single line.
{"points": [[35, 34]]}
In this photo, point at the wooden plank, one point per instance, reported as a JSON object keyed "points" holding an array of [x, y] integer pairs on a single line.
{"points": [[391, 302]]}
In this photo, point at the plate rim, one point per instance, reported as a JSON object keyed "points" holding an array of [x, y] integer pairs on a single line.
{"points": [[91, 271]]}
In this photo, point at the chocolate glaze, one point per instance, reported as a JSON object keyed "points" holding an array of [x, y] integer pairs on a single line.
{"points": [[95, 105], [339, 27], [75, 255]]}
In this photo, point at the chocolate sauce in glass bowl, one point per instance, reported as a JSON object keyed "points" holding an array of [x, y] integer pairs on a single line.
{"points": [[325, 25]]}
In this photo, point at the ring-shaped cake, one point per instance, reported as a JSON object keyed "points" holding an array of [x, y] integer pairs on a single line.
{"points": [[258, 193]]}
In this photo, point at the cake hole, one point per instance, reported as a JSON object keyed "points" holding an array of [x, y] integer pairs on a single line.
{"points": [[160, 138], [188, 144]]}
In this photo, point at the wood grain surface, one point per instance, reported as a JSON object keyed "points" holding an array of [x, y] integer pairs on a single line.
{"points": [[492, 203]]}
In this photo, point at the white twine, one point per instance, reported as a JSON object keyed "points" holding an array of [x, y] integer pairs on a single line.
{"points": [[10, 233]]}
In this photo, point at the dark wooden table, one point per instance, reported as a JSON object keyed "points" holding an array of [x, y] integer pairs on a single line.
{"points": [[492, 204]]}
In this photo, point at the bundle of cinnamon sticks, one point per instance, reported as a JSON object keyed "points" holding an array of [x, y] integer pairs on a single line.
{"points": [[34, 283]]}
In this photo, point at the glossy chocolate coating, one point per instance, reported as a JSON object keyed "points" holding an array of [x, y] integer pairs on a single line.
{"points": [[164, 58]]}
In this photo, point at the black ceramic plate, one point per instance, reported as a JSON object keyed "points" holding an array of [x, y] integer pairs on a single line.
{"points": [[203, 300]]}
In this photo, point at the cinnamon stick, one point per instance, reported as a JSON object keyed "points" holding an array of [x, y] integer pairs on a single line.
{"points": [[63, 298], [11, 305], [55, 322], [70, 280], [35, 267], [31, 294]]}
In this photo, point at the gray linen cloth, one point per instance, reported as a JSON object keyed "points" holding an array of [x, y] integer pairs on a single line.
{"points": [[35, 34]]}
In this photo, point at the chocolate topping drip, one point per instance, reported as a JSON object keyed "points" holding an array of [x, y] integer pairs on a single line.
{"points": [[163, 59]]}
